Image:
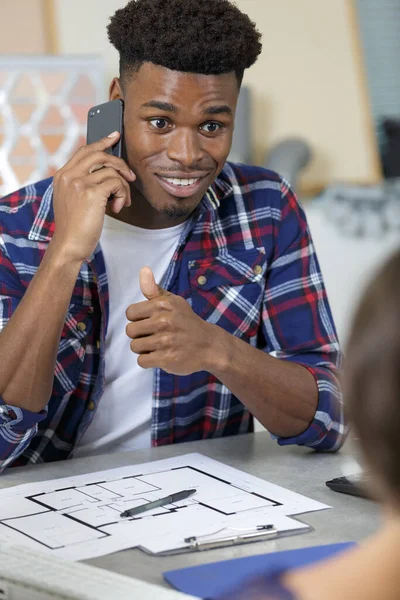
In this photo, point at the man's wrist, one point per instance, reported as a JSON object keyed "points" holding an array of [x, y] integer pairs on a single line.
{"points": [[218, 355], [59, 258]]}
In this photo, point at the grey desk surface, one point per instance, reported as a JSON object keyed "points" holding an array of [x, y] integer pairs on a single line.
{"points": [[298, 469]]}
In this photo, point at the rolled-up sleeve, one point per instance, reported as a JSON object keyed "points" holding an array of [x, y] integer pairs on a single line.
{"points": [[298, 324], [17, 426]]}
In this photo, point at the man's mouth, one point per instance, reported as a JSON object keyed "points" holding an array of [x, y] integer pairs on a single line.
{"points": [[181, 187], [176, 181]]}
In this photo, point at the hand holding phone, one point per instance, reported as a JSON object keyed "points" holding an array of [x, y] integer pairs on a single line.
{"points": [[81, 192]]}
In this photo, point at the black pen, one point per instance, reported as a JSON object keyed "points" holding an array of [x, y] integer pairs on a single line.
{"points": [[156, 503]]}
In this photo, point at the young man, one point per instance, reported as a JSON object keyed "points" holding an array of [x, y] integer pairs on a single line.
{"points": [[95, 356]]}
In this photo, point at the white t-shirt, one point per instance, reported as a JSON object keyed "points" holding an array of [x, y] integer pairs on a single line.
{"points": [[123, 417]]}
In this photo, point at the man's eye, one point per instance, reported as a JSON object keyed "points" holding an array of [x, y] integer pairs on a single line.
{"points": [[159, 123], [211, 127]]}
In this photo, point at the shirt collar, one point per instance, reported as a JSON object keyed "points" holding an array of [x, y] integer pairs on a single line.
{"points": [[43, 224], [218, 191]]}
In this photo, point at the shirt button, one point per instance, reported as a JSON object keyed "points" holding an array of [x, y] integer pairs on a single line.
{"points": [[201, 280], [257, 270], [91, 405], [81, 326], [98, 344]]}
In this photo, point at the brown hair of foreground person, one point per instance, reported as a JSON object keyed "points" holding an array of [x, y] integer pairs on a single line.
{"points": [[371, 570], [372, 380]]}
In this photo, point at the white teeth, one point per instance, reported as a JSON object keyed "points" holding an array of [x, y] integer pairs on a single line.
{"points": [[180, 182]]}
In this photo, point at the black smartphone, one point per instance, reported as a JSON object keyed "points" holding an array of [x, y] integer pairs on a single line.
{"points": [[355, 485], [103, 120]]}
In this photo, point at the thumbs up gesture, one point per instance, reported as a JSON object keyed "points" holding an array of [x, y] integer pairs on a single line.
{"points": [[165, 332], [148, 284]]}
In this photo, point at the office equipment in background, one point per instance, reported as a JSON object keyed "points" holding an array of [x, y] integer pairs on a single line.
{"points": [[28, 574], [212, 580], [288, 158], [79, 517]]}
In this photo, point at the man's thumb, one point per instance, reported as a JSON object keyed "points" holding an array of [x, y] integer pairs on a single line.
{"points": [[148, 284]]}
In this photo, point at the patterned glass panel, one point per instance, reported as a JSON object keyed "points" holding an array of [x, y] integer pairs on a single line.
{"points": [[43, 107]]}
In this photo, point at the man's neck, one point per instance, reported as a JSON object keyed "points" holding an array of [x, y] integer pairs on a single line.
{"points": [[141, 214]]}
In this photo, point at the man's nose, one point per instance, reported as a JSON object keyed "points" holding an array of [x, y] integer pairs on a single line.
{"points": [[185, 147]]}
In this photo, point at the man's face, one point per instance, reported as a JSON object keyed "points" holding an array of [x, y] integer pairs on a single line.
{"points": [[178, 134]]}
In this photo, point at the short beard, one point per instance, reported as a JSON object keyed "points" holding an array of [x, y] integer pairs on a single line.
{"points": [[174, 212]]}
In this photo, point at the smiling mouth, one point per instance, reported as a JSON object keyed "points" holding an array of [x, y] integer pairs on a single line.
{"points": [[181, 187], [180, 182]]}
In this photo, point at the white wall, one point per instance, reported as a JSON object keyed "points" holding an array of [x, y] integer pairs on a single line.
{"points": [[306, 83], [87, 34], [25, 35]]}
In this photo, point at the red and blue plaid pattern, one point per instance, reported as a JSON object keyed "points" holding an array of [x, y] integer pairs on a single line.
{"points": [[261, 281]]}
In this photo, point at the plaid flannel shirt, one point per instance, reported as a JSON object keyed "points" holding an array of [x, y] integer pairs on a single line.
{"points": [[245, 261]]}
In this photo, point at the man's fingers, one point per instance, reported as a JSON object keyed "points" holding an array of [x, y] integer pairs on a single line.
{"points": [[143, 345], [92, 157], [139, 311], [148, 283], [95, 161], [113, 185], [140, 328], [108, 179], [97, 177], [100, 146], [144, 310], [103, 144], [99, 160], [151, 360]]}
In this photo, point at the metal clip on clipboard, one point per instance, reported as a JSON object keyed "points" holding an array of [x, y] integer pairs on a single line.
{"points": [[244, 536]]}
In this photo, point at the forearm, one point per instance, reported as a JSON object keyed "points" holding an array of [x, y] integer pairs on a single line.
{"points": [[29, 342], [283, 396]]}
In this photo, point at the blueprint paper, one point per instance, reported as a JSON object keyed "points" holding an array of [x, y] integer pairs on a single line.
{"points": [[79, 517]]}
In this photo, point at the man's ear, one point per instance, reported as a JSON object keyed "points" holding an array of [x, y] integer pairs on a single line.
{"points": [[115, 90]]}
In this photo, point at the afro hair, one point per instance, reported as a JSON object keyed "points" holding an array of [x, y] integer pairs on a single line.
{"points": [[208, 37]]}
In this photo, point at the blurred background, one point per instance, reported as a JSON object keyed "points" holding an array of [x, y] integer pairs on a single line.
{"points": [[321, 106]]}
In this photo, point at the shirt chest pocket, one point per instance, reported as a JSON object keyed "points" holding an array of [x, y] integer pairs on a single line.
{"points": [[75, 335], [228, 289]]}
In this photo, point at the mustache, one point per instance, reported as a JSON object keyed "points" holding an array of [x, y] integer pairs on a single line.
{"points": [[194, 168]]}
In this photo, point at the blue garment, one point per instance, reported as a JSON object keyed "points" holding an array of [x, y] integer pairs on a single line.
{"points": [[245, 262]]}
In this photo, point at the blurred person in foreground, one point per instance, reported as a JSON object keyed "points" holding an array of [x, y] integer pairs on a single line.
{"points": [[371, 570], [190, 302]]}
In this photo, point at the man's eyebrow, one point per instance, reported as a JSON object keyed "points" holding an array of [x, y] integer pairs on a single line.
{"points": [[165, 106], [218, 110], [168, 107]]}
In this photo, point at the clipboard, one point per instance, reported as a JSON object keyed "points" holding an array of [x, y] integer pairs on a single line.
{"points": [[236, 537]]}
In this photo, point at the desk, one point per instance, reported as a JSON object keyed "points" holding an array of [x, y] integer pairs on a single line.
{"points": [[298, 469]]}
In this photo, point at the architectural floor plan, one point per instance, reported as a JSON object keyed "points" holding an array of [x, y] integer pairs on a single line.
{"points": [[79, 517]]}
